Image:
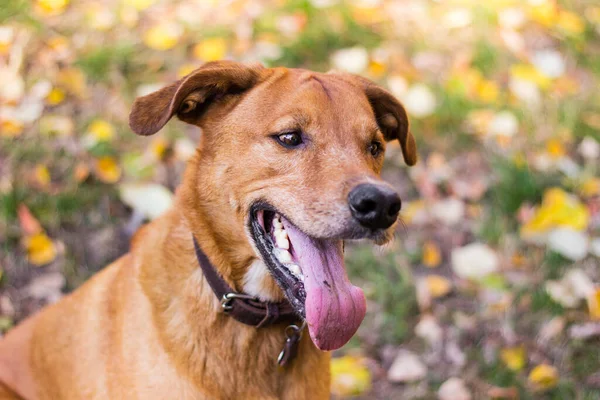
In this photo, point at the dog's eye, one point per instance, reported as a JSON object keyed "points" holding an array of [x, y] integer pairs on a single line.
{"points": [[375, 148], [290, 139]]}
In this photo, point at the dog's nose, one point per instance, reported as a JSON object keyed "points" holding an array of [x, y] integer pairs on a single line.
{"points": [[374, 206]]}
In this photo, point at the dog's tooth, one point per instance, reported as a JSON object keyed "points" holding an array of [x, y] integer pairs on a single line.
{"points": [[283, 256], [295, 269], [282, 241]]}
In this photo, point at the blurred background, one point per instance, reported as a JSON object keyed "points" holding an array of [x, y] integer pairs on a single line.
{"points": [[492, 286]]}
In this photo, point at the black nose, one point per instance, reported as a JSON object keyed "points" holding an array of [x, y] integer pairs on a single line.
{"points": [[374, 206]]}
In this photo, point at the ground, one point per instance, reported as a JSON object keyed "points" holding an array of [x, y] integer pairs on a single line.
{"points": [[491, 288]]}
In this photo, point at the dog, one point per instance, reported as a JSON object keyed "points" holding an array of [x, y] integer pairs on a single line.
{"points": [[239, 290]]}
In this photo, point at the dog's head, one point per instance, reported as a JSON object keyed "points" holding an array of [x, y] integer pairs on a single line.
{"points": [[289, 165]]}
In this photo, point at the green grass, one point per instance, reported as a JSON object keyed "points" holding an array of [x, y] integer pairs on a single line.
{"points": [[97, 64], [516, 185], [315, 45], [394, 291]]}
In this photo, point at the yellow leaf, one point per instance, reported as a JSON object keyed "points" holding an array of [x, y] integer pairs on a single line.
{"points": [[590, 187], [558, 209], [593, 302], [59, 125], [545, 13], [40, 249], [186, 69], [51, 7], [7, 36], [487, 91], [432, 257], [555, 149], [10, 128], [211, 49], [376, 69], [349, 376], [570, 23], [543, 377], [163, 36], [593, 14], [58, 43], [108, 170], [42, 175], [513, 357], [529, 73], [139, 4], [413, 211], [365, 14], [55, 97], [102, 131], [438, 286], [159, 147], [74, 81]]}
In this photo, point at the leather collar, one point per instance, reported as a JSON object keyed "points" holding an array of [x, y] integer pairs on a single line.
{"points": [[242, 307]]}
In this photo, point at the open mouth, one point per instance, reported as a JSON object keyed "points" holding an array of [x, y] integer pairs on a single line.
{"points": [[312, 275]]}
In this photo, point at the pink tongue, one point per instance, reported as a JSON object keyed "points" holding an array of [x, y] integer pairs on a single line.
{"points": [[334, 307]]}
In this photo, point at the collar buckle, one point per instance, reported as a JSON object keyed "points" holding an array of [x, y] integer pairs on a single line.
{"points": [[227, 300]]}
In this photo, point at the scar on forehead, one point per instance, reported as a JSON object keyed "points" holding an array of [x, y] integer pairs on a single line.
{"points": [[312, 77]]}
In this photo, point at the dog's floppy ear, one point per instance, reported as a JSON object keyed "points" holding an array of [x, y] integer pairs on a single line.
{"points": [[390, 114], [190, 97]]}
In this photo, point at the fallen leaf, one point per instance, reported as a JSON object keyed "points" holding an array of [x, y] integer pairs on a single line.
{"points": [[73, 80], [513, 357], [354, 60], [150, 199], [40, 249], [590, 187], [29, 224], [593, 301], [211, 49], [101, 130], [558, 209], [429, 330], [42, 175], [46, 287], [449, 211], [420, 101], [51, 8], [407, 367], [10, 128], [454, 389], [570, 23], [107, 169], [589, 148], [503, 124], [569, 243], [543, 377], [349, 376], [571, 289], [81, 172], [432, 256], [474, 261], [56, 96], [58, 125], [438, 286], [163, 36]]}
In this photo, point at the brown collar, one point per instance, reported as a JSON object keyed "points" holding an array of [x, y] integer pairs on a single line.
{"points": [[242, 307]]}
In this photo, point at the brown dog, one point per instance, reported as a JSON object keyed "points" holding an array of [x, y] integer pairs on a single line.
{"points": [[287, 168]]}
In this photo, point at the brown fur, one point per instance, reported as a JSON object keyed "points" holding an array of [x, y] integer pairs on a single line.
{"points": [[148, 326]]}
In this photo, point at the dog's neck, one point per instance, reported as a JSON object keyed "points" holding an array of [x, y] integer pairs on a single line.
{"points": [[192, 329]]}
